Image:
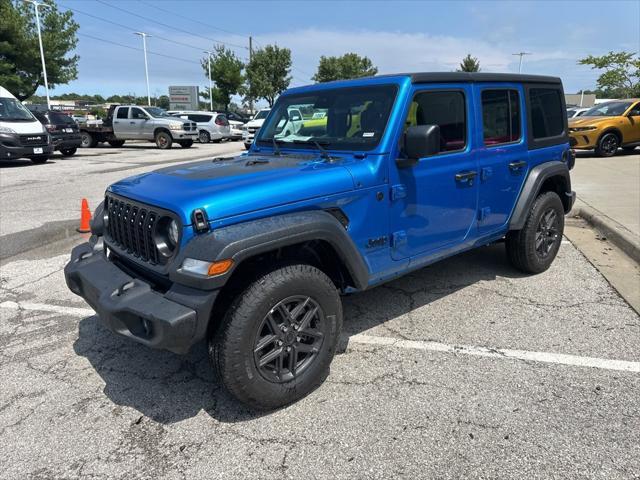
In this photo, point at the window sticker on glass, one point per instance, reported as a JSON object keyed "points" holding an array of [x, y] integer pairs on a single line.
{"points": [[369, 134]]}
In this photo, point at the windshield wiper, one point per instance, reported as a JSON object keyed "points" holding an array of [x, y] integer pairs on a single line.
{"points": [[323, 153]]}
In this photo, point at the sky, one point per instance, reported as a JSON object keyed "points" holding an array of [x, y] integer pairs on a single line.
{"points": [[398, 36]]}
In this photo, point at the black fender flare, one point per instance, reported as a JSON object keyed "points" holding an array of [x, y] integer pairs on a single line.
{"points": [[531, 188], [242, 241]]}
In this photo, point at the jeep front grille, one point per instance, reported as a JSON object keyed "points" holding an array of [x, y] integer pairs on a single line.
{"points": [[131, 226]]}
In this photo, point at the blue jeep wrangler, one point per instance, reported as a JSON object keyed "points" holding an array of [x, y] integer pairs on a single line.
{"points": [[348, 185]]}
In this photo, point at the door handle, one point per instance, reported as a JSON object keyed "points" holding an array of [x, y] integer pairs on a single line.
{"points": [[132, 123], [517, 165], [466, 176]]}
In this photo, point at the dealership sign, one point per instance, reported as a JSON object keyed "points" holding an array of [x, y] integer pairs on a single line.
{"points": [[183, 98]]}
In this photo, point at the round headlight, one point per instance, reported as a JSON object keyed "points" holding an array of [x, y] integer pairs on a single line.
{"points": [[166, 236], [173, 232]]}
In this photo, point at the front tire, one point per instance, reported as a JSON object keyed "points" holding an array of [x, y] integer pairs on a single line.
{"points": [[163, 140], [40, 159], [116, 143], [607, 145], [533, 249], [278, 337], [186, 143], [629, 149], [68, 152]]}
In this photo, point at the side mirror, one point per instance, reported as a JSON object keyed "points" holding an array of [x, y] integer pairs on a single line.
{"points": [[419, 141]]}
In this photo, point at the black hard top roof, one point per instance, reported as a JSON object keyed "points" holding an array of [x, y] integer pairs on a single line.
{"points": [[462, 77]]}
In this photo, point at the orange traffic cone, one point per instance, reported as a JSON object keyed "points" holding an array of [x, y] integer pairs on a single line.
{"points": [[85, 217]]}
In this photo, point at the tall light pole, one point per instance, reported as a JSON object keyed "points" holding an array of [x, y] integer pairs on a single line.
{"points": [[520, 54], [44, 68], [146, 67], [210, 86]]}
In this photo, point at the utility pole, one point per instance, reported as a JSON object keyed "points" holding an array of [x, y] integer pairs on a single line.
{"points": [[210, 86], [520, 54], [250, 57], [44, 68], [146, 67]]}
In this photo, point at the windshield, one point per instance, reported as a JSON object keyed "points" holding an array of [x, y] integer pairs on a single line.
{"points": [[351, 118], [11, 110], [262, 114], [608, 109], [157, 112]]}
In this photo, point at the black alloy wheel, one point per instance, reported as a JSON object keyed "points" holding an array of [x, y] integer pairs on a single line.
{"points": [[289, 339]]}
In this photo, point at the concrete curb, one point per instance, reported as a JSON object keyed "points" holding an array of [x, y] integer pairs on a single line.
{"points": [[619, 235], [20, 242]]}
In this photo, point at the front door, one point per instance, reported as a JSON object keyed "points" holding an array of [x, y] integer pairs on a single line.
{"points": [[434, 203], [137, 121], [502, 153]]}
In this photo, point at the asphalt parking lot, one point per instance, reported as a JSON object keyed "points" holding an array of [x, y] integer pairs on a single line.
{"points": [[465, 369]]}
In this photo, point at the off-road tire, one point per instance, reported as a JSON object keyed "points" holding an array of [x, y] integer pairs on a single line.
{"points": [[607, 145], [116, 143], [40, 159], [88, 141], [185, 143], [521, 244], [204, 136], [68, 152], [163, 140], [231, 347]]}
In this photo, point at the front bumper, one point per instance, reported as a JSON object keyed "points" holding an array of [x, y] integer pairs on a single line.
{"points": [[584, 140], [173, 320], [11, 147], [184, 135]]}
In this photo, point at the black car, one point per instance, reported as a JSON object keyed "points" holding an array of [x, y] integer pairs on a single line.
{"points": [[64, 132]]}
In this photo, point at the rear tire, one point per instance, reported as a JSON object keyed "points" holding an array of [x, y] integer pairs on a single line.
{"points": [[87, 140], [607, 145], [68, 152], [163, 140], [40, 159], [278, 337], [533, 249], [116, 143], [204, 136]]}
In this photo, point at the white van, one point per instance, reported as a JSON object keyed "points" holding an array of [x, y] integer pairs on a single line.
{"points": [[21, 134]]}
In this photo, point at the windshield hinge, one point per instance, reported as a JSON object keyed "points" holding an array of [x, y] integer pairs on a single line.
{"points": [[398, 191]]}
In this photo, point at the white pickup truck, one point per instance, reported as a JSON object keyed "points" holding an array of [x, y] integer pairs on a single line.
{"points": [[134, 122]]}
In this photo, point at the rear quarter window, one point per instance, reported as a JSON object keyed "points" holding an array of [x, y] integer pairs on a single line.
{"points": [[547, 114]]}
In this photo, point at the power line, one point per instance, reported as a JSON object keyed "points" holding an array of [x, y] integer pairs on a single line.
{"points": [[137, 49], [170, 26], [192, 19], [126, 27]]}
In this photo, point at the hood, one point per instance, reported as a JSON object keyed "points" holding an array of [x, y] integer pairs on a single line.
{"points": [[588, 121], [242, 184], [255, 123], [25, 127]]}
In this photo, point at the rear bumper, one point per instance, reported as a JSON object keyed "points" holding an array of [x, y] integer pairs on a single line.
{"points": [[66, 141], [173, 320]]}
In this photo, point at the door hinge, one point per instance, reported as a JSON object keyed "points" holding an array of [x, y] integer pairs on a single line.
{"points": [[483, 213], [485, 173], [399, 238], [398, 191]]}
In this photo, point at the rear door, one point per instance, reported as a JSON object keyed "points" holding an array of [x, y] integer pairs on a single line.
{"points": [[433, 203], [502, 153], [631, 131]]}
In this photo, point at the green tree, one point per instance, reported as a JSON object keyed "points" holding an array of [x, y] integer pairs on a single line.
{"points": [[349, 65], [469, 64], [226, 72], [268, 73], [621, 76], [20, 64]]}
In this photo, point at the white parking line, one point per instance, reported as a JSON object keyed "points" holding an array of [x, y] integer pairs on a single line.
{"points": [[44, 307], [501, 353]]}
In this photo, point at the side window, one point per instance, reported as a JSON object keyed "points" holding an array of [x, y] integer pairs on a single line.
{"points": [[445, 109], [635, 111], [501, 116], [546, 112], [137, 113], [123, 112]]}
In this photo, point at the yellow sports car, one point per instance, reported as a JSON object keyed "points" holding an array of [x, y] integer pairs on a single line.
{"points": [[606, 127]]}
